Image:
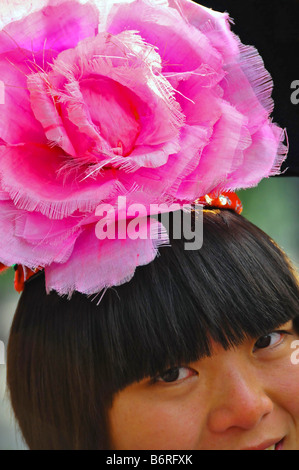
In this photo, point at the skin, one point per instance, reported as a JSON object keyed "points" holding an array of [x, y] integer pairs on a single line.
{"points": [[242, 398]]}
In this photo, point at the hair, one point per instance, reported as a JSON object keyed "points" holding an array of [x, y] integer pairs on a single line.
{"points": [[67, 358]]}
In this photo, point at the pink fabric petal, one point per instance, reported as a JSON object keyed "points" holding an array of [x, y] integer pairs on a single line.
{"points": [[230, 138], [142, 109], [15, 249], [4, 196], [29, 174], [35, 228], [248, 87], [203, 106], [48, 111], [151, 156], [95, 264], [261, 160], [58, 26], [163, 182], [214, 24], [53, 114], [111, 107], [17, 123], [182, 46]]}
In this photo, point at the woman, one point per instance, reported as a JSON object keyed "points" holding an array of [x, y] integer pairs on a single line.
{"points": [[193, 353], [152, 102]]}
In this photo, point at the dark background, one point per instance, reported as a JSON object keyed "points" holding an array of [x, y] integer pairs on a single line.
{"points": [[273, 28]]}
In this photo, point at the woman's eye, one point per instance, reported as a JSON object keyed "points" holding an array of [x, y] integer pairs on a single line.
{"points": [[175, 375], [269, 340]]}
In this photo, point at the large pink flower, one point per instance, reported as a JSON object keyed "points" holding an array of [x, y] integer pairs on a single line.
{"points": [[154, 100]]}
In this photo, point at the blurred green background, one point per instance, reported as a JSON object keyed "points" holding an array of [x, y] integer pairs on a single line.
{"points": [[272, 206]]}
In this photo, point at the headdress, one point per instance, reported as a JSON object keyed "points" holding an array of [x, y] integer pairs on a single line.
{"points": [[154, 101]]}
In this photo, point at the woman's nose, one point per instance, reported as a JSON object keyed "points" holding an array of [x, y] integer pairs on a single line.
{"points": [[240, 400]]}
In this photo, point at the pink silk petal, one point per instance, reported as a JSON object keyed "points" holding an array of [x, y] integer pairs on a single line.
{"points": [[48, 112], [111, 108], [4, 196], [205, 107], [57, 27], [17, 123], [151, 156], [95, 264], [29, 174], [52, 110], [182, 46], [141, 105], [217, 161], [266, 142], [14, 249], [214, 24], [247, 85], [35, 228], [164, 181]]}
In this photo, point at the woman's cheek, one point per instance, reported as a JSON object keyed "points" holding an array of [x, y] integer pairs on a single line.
{"points": [[287, 386], [154, 424], [281, 381]]}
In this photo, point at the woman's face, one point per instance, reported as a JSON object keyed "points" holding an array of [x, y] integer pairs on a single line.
{"points": [[242, 398]]}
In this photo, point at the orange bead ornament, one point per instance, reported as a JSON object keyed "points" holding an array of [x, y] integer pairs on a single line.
{"points": [[223, 200]]}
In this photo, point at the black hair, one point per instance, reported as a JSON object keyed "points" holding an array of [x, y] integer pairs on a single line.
{"points": [[68, 357]]}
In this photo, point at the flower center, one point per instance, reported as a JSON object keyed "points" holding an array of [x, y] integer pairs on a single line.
{"points": [[112, 110]]}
